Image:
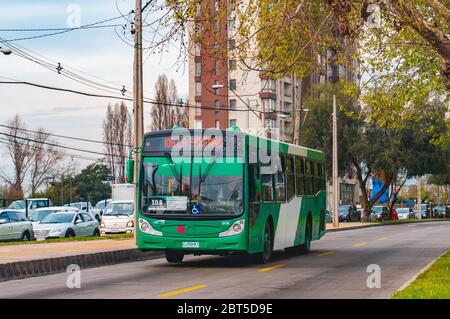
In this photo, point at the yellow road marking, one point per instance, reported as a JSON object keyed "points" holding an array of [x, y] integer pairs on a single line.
{"points": [[271, 268], [182, 291], [360, 245], [326, 253], [382, 238]]}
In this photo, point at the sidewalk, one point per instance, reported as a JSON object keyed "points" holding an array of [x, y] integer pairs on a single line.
{"points": [[348, 226], [15, 253]]}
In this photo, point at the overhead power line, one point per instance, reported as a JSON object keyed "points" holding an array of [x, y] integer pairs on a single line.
{"points": [[87, 26], [148, 101], [66, 137]]}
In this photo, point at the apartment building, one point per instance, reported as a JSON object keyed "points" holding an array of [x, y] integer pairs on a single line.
{"points": [[226, 94]]}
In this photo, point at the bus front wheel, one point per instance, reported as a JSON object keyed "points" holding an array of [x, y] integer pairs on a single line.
{"points": [[266, 255], [174, 257]]}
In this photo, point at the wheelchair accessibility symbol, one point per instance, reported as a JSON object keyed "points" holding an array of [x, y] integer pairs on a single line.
{"points": [[195, 209]]}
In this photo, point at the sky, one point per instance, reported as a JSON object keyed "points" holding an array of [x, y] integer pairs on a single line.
{"points": [[98, 52]]}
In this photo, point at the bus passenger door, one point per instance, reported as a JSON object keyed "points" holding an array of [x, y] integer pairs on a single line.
{"points": [[254, 205]]}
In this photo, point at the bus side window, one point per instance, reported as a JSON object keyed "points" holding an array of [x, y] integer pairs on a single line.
{"points": [[317, 177], [309, 179], [267, 187], [253, 183], [280, 186], [290, 176], [300, 176]]}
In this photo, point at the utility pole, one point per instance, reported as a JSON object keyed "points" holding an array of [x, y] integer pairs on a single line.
{"points": [[335, 167], [298, 111], [419, 200], [138, 103]]}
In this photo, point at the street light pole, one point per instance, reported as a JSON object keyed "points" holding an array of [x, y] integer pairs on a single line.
{"points": [[335, 167], [419, 200], [138, 102]]}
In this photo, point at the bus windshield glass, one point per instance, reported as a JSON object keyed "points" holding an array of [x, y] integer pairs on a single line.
{"points": [[192, 186]]}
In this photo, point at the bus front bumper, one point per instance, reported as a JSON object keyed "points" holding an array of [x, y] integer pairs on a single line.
{"points": [[192, 245]]}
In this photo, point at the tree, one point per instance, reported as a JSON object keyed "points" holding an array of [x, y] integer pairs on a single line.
{"points": [[20, 151], [117, 135], [165, 112], [369, 149], [45, 160]]}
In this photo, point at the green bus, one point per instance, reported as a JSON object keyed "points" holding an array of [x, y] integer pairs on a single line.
{"points": [[224, 192]]}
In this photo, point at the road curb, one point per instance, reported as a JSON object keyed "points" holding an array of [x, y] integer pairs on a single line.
{"points": [[389, 224], [48, 266], [428, 266]]}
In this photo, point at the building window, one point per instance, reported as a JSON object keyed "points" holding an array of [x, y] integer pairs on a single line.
{"points": [[198, 9], [198, 68], [233, 105], [216, 89], [231, 25], [270, 124], [198, 108], [232, 123], [216, 5], [217, 105], [288, 107], [231, 44], [269, 85], [232, 65], [198, 49], [269, 105], [218, 124], [346, 193], [198, 124], [198, 88], [287, 89], [233, 84]]}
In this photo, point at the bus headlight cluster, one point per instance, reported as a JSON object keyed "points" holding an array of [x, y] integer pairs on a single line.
{"points": [[235, 229], [145, 227]]}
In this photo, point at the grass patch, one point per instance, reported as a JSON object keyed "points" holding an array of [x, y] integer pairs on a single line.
{"points": [[61, 240], [434, 283]]}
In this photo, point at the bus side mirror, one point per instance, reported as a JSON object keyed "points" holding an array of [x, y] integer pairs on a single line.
{"points": [[130, 171]]}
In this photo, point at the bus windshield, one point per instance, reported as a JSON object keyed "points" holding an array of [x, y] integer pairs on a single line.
{"points": [[202, 187]]}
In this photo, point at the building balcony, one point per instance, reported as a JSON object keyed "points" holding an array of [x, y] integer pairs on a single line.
{"points": [[267, 95]]}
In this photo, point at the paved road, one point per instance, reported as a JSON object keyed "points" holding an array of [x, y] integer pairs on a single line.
{"points": [[336, 268]]}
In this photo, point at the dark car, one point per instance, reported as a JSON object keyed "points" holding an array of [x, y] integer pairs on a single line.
{"points": [[441, 212], [348, 213], [381, 213]]}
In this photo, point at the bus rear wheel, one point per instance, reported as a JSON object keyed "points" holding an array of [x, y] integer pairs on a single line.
{"points": [[266, 255], [305, 249], [174, 257]]}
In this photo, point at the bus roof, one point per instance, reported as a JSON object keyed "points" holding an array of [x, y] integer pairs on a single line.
{"points": [[252, 139]]}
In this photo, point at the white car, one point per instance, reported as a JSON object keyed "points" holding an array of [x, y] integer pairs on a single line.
{"points": [[117, 218], [40, 214], [67, 224], [100, 207], [21, 205], [15, 226]]}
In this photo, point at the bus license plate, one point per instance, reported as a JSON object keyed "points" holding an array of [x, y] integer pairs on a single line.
{"points": [[191, 244]]}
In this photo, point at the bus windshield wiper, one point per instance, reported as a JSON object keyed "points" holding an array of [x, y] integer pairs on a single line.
{"points": [[172, 168], [206, 172]]}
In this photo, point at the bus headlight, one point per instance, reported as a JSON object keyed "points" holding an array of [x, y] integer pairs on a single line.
{"points": [[145, 227], [235, 229]]}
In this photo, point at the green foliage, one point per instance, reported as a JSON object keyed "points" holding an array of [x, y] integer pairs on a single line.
{"points": [[89, 185]]}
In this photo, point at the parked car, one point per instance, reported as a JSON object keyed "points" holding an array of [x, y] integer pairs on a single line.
{"points": [[87, 207], [118, 218], [27, 205], [67, 224], [441, 212], [100, 207], [380, 213], [348, 213], [424, 210], [40, 214], [405, 213], [15, 226]]}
